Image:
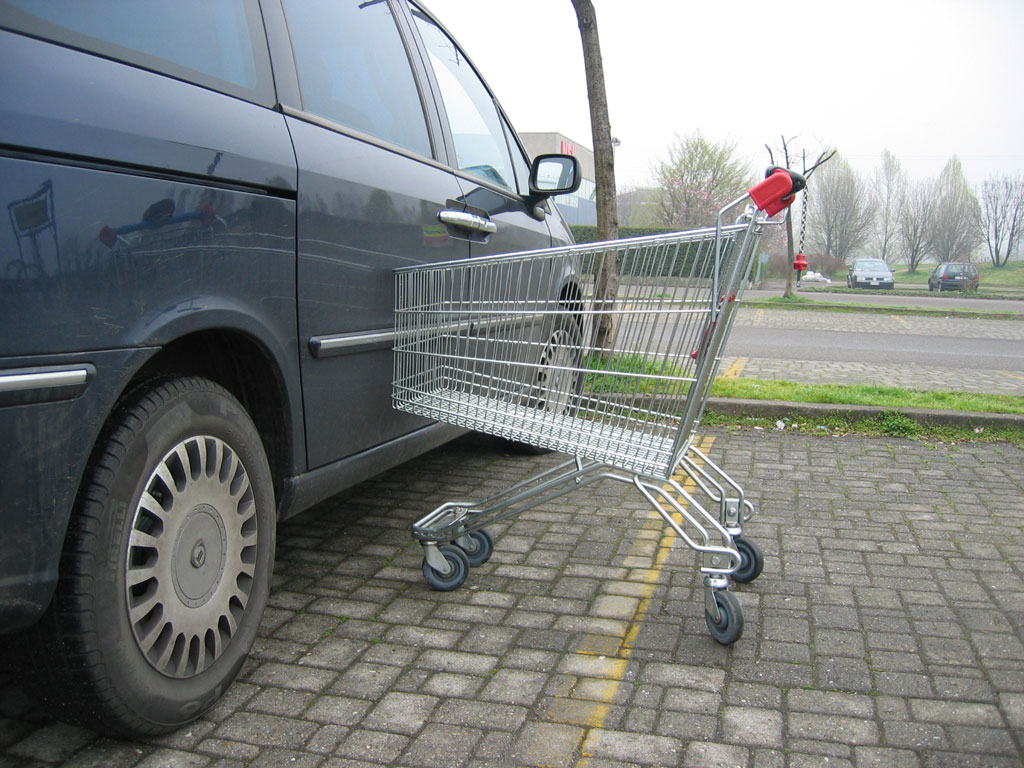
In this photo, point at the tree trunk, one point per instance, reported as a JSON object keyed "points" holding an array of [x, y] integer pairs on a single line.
{"points": [[789, 291], [607, 279]]}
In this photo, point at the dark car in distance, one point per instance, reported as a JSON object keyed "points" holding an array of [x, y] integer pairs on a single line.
{"points": [[205, 203], [954, 276], [870, 273]]}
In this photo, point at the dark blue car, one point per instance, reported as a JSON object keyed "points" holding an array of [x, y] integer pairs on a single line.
{"points": [[204, 204]]}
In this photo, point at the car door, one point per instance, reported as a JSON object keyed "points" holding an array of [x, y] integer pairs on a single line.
{"points": [[490, 164], [372, 179], [493, 172]]}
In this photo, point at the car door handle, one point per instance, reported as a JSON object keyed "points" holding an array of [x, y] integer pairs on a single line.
{"points": [[465, 220]]}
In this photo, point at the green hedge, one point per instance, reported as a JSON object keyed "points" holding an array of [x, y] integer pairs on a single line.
{"points": [[584, 233]]}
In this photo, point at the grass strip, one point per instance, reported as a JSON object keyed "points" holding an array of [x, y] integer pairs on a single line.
{"points": [[866, 394], [801, 303], [891, 423]]}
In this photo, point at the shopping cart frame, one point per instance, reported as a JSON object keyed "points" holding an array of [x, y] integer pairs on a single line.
{"points": [[462, 355]]}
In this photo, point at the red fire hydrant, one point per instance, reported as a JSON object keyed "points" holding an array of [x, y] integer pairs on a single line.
{"points": [[800, 265]]}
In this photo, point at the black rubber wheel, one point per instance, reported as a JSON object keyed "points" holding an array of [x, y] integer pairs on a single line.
{"points": [[729, 628], [751, 560], [482, 547], [166, 565], [453, 580]]}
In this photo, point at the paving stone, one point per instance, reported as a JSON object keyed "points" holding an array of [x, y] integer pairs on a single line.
{"points": [[441, 746], [548, 744], [878, 635], [702, 754], [401, 712], [752, 727], [632, 748]]}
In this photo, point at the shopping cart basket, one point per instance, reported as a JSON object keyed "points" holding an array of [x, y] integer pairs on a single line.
{"points": [[604, 351]]}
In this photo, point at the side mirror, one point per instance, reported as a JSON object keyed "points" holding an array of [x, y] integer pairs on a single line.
{"points": [[554, 175]]}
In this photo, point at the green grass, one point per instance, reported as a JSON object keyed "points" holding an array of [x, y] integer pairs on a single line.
{"points": [[865, 394], [631, 374], [806, 303], [890, 423]]}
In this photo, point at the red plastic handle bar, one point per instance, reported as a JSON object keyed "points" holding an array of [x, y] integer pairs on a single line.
{"points": [[777, 191]]}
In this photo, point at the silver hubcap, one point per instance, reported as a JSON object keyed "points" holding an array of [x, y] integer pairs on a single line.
{"points": [[191, 557], [556, 375]]}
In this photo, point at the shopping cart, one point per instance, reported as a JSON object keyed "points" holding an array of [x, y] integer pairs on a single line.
{"points": [[606, 352]]}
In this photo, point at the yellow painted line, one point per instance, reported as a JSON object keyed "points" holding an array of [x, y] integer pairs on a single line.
{"points": [[1011, 375], [600, 661], [900, 319], [758, 316], [736, 369]]}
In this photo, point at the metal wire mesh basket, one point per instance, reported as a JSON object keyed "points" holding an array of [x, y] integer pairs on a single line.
{"points": [[606, 352], [524, 347]]}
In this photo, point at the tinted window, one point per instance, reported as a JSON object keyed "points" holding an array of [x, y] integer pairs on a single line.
{"points": [[217, 44], [476, 126], [872, 264], [354, 69], [519, 161]]}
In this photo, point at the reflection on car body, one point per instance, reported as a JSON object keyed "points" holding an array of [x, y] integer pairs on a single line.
{"points": [[205, 205]]}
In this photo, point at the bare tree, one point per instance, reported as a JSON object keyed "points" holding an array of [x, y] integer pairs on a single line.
{"points": [[788, 159], [888, 186], [840, 220], [604, 163], [954, 229], [698, 178], [915, 221], [1002, 216]]}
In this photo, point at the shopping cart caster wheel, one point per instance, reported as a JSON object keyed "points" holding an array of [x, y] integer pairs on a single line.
{"points": [[751, 560], [446, 582], [729, 627], [478, 547]]}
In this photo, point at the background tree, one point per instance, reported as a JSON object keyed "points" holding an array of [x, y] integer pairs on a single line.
{"points": [[916, 213], [840, 218], [607, 282], [699, 177], [954, 228], [1002, 216], [789, 161], [888, 186]]}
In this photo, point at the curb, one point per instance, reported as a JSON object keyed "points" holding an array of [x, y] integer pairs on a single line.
{"points": [[777, 409]]}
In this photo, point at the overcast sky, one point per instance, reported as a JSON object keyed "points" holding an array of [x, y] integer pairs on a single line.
{"points": [[926, 79]]}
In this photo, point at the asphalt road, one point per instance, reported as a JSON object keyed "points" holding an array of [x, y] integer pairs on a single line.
{"points": [[857, 345], [985, 355]]}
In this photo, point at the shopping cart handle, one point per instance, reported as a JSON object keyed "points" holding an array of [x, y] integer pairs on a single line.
{"points": [[778, 190]]}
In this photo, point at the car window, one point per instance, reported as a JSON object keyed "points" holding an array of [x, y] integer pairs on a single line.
{"points": [[354, 69], [520, 163], [476, 126], [872, 264], [219, 45]]}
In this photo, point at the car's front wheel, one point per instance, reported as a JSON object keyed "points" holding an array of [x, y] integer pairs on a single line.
{"points": [[166, 565]]}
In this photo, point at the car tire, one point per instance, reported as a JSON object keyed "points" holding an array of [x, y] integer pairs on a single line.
{"points": [[563, 349], [555, 386], [166, 565]]}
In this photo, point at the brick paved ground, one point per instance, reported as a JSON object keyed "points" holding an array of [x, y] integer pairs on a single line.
{"points": [[887, 629]]}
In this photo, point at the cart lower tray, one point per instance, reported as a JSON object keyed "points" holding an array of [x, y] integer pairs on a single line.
{"points": [[644, 453]]}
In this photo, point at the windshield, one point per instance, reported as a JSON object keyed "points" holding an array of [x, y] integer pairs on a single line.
{"points": [[872, 264]]}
